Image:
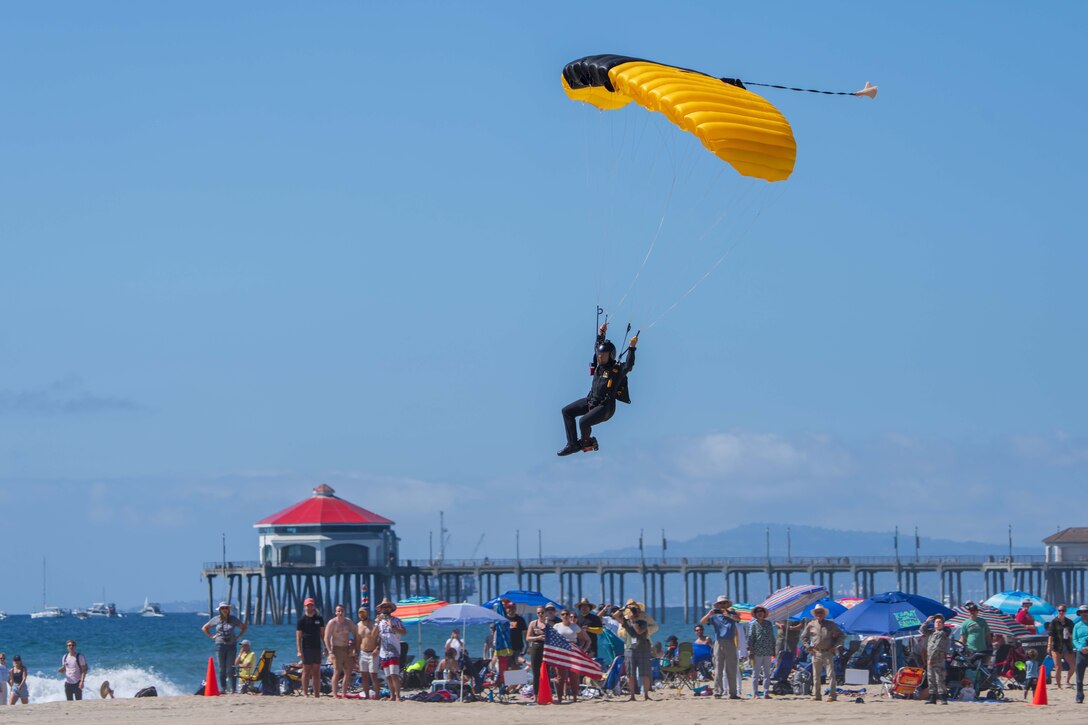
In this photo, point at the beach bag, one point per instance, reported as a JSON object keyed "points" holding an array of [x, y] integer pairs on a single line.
{"points": [[147, 692]]}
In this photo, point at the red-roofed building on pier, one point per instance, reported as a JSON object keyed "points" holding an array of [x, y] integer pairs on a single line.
{"points": [[322, 547]]}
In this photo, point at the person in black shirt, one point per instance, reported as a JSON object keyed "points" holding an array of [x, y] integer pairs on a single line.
{"points": [[309, 638], [1060, 643], [609, 385], [517, 628], [590, 622]]}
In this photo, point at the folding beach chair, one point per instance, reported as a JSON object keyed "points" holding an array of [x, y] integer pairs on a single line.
{"points": [[262, 679], [906, 682], [681, 673]]}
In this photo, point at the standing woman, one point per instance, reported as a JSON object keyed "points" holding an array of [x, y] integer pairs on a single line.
{"points": [[535, 637], [1060, 641], [17, 678], [761, 638], [576, 637]]}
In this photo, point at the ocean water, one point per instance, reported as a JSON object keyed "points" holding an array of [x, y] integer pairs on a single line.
{"points": [[172, 653]]}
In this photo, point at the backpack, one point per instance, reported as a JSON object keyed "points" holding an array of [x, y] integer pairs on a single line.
{"points": [[81, 661]]}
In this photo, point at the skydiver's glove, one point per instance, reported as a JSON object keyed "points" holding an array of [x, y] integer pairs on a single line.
{"points": [[634, 341], [604, 329]]}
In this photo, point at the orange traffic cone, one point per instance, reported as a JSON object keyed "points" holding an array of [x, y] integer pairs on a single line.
{"points": [[211, 685], [1040, 690], [544, 694]]}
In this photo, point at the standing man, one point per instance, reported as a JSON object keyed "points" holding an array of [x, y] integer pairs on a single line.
{"points": [[636, 653], [1080, 646], [366, 642], [340, 640], [1060, 643], [74, 667], [938, 642], [518, 626], [226, 646], [390, 630], [975, 633], [723, 618], [591, 623], [309, 638], [822, 637]]}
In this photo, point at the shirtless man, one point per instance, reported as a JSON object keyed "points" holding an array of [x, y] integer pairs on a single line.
{"points": [[369, 660], [340, 640]]}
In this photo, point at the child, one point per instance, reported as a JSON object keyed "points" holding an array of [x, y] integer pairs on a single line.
{"points": [[1031, 673], [967, 692]]}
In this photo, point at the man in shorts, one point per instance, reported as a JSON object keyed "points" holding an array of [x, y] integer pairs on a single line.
{"points": [[309, 636], [369, 659], [390, 630], [340, 640]]}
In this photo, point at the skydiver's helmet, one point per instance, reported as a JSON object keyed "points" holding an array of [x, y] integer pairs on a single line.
{"points": [[607, 349]]}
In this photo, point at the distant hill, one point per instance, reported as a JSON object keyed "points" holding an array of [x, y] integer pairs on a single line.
{"points": [[751, 540]]}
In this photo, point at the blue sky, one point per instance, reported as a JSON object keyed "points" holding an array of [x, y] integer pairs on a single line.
{"points": [[251, 248]]}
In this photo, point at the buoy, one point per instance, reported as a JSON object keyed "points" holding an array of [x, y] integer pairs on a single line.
{"points": [[544, 694], [211, 685]]}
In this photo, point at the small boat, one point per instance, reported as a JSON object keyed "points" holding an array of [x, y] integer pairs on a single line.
{"points": [[103, 609], [50, 613], [151, 609], [80, 613], [3, 616]]}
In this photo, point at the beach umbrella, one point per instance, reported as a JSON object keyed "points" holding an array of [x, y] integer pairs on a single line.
{"points": [[998, 621], [744, 609], [891, 613], [463, 614], [525, 601], [1009, 603], [414, 610], [850, 602], [791, 600], [833, 608]]}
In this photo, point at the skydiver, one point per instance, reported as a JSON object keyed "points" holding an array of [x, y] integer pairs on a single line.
{"points": [[609, 385]]}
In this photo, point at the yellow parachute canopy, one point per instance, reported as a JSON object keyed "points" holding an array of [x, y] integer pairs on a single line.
{"points": [[738, 126]]}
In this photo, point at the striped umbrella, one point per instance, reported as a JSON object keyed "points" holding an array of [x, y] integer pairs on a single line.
{"points": [[415, 609], [791, 600], [998, 621], [850, 602], [744, 609], [1009, 603]]}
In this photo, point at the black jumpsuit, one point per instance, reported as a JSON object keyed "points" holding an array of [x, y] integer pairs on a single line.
{"points": [[609, 382]]}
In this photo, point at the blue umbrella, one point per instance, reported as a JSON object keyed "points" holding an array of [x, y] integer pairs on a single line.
{"points": [[833, 608], [524, 600], [1009, 603], [463, 613], [890, 613]]}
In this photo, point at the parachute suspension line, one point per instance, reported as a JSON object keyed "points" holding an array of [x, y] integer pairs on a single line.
{"points": [[869, 91], [653, 242], [717, 263]]}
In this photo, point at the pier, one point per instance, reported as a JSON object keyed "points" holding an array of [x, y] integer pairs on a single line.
{"points": [[273, 594]]}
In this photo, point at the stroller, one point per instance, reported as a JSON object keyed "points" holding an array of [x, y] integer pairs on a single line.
{"points": [[974, 668]]}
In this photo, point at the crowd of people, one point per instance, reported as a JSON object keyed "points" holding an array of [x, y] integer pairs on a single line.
{"points": [[372, 650], [15, 681]]}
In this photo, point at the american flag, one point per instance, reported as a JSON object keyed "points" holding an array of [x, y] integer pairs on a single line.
{"points": [[559, 652]]}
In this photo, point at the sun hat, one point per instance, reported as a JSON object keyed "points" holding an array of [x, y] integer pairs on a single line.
{"points": [[387, 604], [550, 606], [1082, 609], [584, 602], [223, 604], [244, 643], [723, 600], [104, 691], [819, 608]]}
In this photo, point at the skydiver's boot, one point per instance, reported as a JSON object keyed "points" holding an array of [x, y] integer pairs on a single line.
{"points": [[570, 448], [588, 444]]}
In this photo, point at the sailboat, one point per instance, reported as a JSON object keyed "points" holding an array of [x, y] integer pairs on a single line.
{"points": [[151, 609], [48, 612]]}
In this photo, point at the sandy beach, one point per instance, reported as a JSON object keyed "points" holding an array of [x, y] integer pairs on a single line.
{"points": [[255, 710]]}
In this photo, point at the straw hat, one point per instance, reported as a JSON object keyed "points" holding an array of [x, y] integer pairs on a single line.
{"points": [[104, 691], [583, 602], [819, 608], [723, 600], [387, 606]]}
